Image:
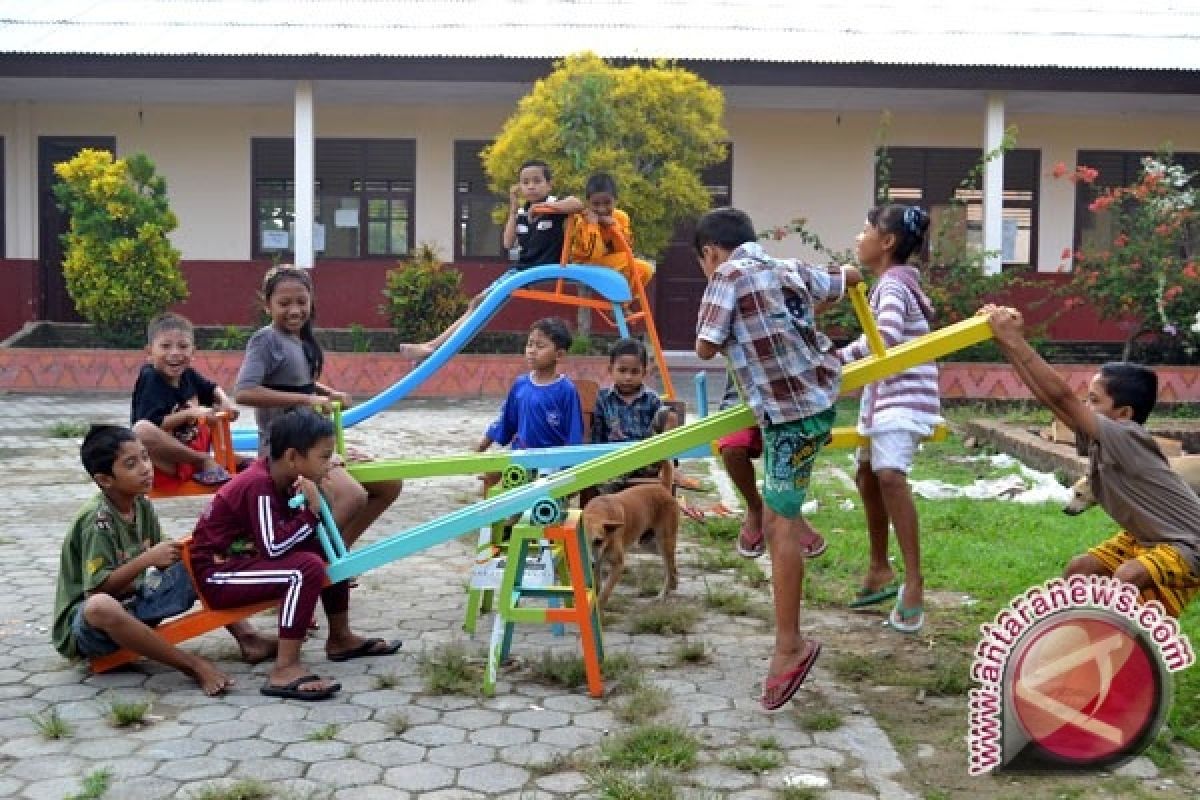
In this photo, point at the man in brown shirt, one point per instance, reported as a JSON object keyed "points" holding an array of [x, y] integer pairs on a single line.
{"points": [[1158, 549]]}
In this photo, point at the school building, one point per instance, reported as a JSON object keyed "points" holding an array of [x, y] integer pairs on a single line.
{"points": [[382, 108]]}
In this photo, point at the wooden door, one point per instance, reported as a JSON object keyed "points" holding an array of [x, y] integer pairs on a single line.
{"points": [[54, 303]]}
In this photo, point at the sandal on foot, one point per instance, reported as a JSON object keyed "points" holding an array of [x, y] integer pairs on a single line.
{"points": [[866, 596], [213, 476], [815, 547], [905, 620], [750, 542], [292, 691], [369, 647], [779, 691]]}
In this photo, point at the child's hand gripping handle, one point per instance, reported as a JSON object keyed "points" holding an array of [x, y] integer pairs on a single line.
{"points": [[327, 530], [858, 297]]}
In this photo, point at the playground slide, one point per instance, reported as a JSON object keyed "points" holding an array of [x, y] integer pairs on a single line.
{"points": [[666, 445], [605, 282]]}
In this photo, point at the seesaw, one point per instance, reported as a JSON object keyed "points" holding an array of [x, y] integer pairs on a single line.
{"points": [[605, 282]]}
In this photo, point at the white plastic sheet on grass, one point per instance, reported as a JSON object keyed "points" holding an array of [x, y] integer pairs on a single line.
{"points": [[1026, 486]]}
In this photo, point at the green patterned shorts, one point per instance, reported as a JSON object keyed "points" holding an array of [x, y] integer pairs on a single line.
{"points": [[791, 449]]}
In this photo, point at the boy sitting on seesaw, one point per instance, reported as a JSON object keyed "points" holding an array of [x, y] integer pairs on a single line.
{"points": [[169, 400], [118, 578], [1158, 549], [250, 545]]}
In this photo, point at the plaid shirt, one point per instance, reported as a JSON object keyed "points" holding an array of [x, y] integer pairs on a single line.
{"points": [[614, 420], [759, 311]]}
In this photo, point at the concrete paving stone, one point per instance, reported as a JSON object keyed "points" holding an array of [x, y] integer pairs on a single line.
{"points": [[224, 731], [378, 698], [717, 737], [43, 767], [160, 731], [717, 776], [314, 752], [55, 678], [788, 739], [534, 754], [452, 794], [839, 794], [566, 783], [572, 704], [52, 789], [391, 753], [194, 769], [344, 772], [16, 728], [11, 675], [704, 703], [500, 736], [34, 745], [526, 794], [364, 732], [108, 747], [126, 768], [816, 758], [506, 702], [337, 713], [419, 777], [204, 715], [736, 720], [492, 779], [290, 730], [434, 735], [600, 720], [239, 749], [757, 794], [269, 770], [177, 748], [570, 737], [22, 707], [18, 690], [371, 793], [473, 719], [539, 720], [461, 755], [413, 715], [117, 680], [445, 702]]}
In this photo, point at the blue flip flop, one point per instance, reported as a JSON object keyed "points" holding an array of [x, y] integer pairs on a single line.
{"points": [[867, 596]]}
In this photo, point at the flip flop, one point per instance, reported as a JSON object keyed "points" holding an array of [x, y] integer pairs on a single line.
{"points": [[292, 691], [691, 512], [816, 546], [905, 620], [368, 649], [778, 692], [213, 476], [866, 596]]}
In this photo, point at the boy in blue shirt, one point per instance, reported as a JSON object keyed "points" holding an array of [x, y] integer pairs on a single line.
{"points": [[542, 408]]}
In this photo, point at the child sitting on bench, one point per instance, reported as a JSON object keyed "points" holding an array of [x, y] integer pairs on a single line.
{"points": [[250, 545], [118, 578]]}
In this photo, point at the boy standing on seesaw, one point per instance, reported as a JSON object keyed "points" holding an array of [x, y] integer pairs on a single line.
{"points": [[759, 312], [169, 400], [1158, 548], [118, 578]]}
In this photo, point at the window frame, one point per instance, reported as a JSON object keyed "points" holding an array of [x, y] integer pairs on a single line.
{"points": [[360, 187], [974, 155], [456, 198]]}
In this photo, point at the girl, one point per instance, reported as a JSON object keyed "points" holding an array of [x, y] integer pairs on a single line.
{"points": [[601, 234], [896, 412], [281, 371]]}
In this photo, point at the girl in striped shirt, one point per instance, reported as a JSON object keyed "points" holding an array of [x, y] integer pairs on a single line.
{"points": [[896, 412]]}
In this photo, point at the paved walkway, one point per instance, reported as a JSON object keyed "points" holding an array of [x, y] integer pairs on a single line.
{"points": [[519, 743]]}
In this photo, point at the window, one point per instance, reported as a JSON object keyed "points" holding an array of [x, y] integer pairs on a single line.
{"points": [[1094, 230], [363, 197], [932, 177], [3, 251], [476, 234]]}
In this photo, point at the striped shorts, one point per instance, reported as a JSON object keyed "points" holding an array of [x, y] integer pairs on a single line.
{"points": [[1175, 583]]}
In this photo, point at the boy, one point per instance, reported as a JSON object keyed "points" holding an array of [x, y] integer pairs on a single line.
{"points": [[1158, 549], [250, 545], [169, 399], [758, 311], [542, 408], [536, 226], [118, 578]]}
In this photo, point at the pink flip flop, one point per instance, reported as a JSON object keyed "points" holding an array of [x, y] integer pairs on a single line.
{"points": [[816, 546], [778, 693]]}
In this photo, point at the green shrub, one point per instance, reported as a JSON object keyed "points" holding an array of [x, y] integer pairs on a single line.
{"points": [[119, 265], [424, 296]]}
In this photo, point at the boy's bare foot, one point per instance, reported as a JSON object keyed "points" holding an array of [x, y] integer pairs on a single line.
{"points": [[210, 679], [257, 648], [878, 579], [415, 352]]}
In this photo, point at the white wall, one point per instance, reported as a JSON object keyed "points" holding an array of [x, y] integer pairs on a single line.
{"points": [[815, 164]]}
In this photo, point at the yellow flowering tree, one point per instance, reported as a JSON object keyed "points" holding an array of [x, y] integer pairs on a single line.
{"points": [[119, 265], [653, 128]]}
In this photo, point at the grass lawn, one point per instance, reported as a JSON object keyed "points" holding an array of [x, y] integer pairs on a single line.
{"points": [[987, 551]]}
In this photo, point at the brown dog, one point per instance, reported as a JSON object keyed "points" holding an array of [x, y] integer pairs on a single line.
{"points": [[1081, 493], [616, 522]]}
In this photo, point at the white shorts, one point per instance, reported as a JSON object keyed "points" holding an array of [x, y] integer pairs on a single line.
{"points": [[891, 450]]}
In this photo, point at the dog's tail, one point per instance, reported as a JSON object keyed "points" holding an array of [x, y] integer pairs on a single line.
{"points": [[667, 473]]}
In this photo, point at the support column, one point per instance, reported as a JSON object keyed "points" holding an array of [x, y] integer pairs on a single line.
{"points": [[304, 168], [993, 185], [24, 200]]}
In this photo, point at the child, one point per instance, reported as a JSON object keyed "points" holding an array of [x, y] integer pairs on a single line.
{"points": [[534, 230], [169, 399], [758, 311], [1158, 549], [281, 371], [542, 407], [601, 234], [896, 412], [250, 545], [738, 451], [118, 578]]}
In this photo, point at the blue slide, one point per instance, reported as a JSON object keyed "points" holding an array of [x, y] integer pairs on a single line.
{"points": [[607, 283]]}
